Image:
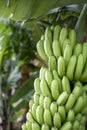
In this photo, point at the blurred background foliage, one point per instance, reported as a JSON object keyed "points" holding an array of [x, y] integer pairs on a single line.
{"points": [[19, 60]]}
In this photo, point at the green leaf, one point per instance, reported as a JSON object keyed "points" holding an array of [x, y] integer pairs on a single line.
{"points": [[23, 90]]}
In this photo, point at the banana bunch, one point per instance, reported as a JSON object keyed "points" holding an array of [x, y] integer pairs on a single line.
{"points": [[60, 98]]}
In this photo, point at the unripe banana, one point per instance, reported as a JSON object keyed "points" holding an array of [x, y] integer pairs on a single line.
{"points": [[29, 117], [55, 89], [72, 37], [84, 111], [67, 54], [54, 128], [78, 83], [62, 112], [55, 75], [63, 35], [48, 34], [70, 70], [83, 120], [41, 100], [48, 77], [24, 127], [83, 77], [45, 127], [42, 72], [48, 47], [66, 84], [70, 102], [34, 107], [71, 116], [76, 125], [84, 52], [52, 63], [78, 117], [77, 49], [47, 117], [78, 105], [29, 125], [65, 43], [56, 48], [61, 66], [40, 49], [37, 86], [84, 98], [35, 126], [44, 88], [47, 102], [43, 37], [56, 32], [57, 120], [81, 127], [85, 88], [62, 98], [53, 108], [79, 67], [36, 98], [39, 115], [77, 91], [66, 126], [31, 102]]}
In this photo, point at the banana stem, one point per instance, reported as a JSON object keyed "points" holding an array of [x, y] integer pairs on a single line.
{"points": [[81, 24]]}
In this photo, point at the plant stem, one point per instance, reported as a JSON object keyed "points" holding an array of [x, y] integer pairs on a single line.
{"points": [[81, 24]]}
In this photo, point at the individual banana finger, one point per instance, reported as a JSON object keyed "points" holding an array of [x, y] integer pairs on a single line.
{"points": [[72, 37], [83, 120], [41, 100], [84, 111], [83, 77], [47, 102], [52, 63], [45, 127], [77, 91], [54, 128], [78, 117], [56, 32], [37, 86], [42, 72], [31, 102], [62, 112], [77, 49], [53, 108], [81, 127], [36, 98], [29, 125], [61, 66], [71, 115], [76, 125], [48, 77], [35, 126], [65, 43], [48, 34], [29, 116], [66, 126], [57, 120], [47, 117], [24, 127], [34, 107]]}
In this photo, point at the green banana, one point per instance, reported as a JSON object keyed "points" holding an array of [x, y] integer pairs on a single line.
{"points": [[48, 47], [66, 126], [54, 128], [83, 77], [77, 91], [77, 49], [42, 72], [24, 127], [43, 37], [40, 48], [67, 54], [48, 77], [41, 100], [47, 117], [83, 120], [61, 66], [44, 88], [78, 117], [52, 63], [31, 102], [66, 84], [39, 115], [78, 105], [72, 37], [36, 98], [70, 70], [84, 111], [62, 98], [76, 125], [34, 107], [56, 48], [29, 125], [29, 116], [84, 52], [56, 32], [55, 75], [35, 126], [81, 127], [63, 35], [62, 112], [48, 34], [55, 89], [45, 127], [65, 43], [85, 88], [57, 120], [71, 115], [53, 108], [79, 67], [37, 85], [70, 102], [47, 102]]}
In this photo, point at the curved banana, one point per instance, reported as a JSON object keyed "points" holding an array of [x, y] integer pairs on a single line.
{"points": [[84, 111], [61, 66], [84, 52], [62, 98], [36, 98], [41, 100], [66, 84], [42, 72], [29, 125], [78, 117], [65, 43], [47, 117], [39, 115], [52, 63], [31, 102], [55, 89], [35, 126], [66, 126], [34, 107], [24, 127], [72, 37], [77, 49], [57, 120], [47, 102], [77, 91], [76, 125], [48, 77], [53, 108], [71, 115], [83, 120], [62, 112], [37, 85], [45, 127], [40, 49], [48, 34], [83, 77], [56, 32], [54, 128], [79, 67], [70, 70], [29, 117]]}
